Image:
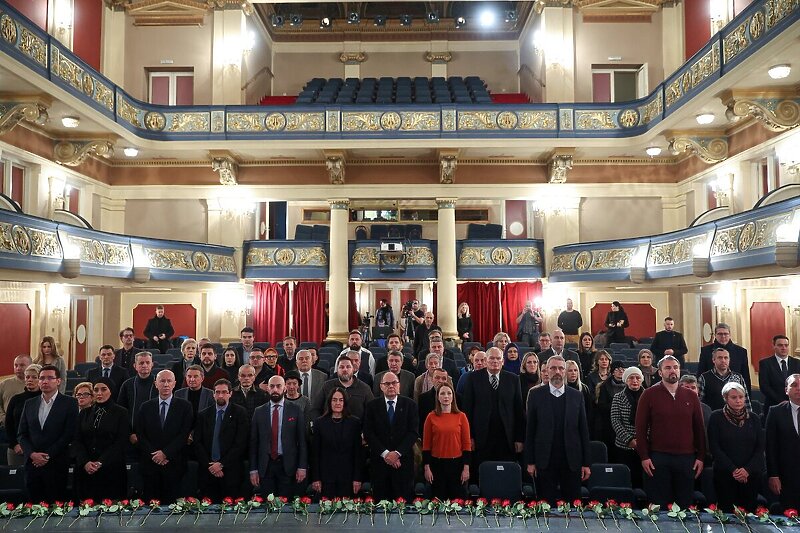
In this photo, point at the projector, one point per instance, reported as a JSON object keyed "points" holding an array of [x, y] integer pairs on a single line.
{"points": [[391, 247]]}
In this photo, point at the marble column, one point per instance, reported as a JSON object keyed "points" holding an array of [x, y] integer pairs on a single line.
{"points": [[338, 266], [446, 267]]}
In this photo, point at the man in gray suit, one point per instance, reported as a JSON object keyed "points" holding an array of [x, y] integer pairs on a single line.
{"points": [[278, 453], [313, 379], [406, 378]]}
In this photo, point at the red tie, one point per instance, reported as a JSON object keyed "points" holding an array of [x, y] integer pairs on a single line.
{"points": [[275, 423]]}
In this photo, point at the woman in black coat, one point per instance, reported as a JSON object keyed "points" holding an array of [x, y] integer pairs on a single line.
{"points": [[464, 323], [737, 445], [336, 452], [99, 447], [231, 364], [616, 322]]}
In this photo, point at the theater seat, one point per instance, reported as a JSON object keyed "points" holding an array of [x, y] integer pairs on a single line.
{"points": [[303, 233], [503, 479], [12, 484], [610, 482]]}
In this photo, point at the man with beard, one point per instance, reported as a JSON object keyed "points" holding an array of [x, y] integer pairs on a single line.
{"points": [[220, 445], [557, 438], [287, 361], [359, 392], [669, 342], [670, 437], [159, 331], [246, 394], [278, 453], [421, 335], [354, 344], [208, 359], [395, 344], [125, 357], [739, 361]]}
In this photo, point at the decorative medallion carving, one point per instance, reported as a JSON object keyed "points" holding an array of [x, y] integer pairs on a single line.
{"points": [[285, 256], [776, 114], [350, 58], [583, 260], [73, 153], [501, 255], [22, 241], [275, 121], [709, 149], [746, 236], [557, 168], [438, 57], [154, 121], [201, 262]]}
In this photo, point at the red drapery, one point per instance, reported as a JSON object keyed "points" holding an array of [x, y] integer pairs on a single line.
{"points": [[308, 304], [483, 307], [354, 319], [513, 297], [270, 311]]}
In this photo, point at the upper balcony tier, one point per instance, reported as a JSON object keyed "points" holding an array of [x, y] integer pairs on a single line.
{"points": [[26, 45]]}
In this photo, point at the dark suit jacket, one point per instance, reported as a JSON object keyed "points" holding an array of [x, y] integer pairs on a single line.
{"points": [[382, 365], [232, 438], [318, 379], [118, 376], [206, 398], [293, 439], [539, 435], [739, 361], [782, 445], [336, 451], [406, 379], [172, 438], [126, 361], [669, 339], [771, 381], [476, 393], [157, 326], [178, 369], [58, 431], [569, 355], [399, 436], [105, 443]]}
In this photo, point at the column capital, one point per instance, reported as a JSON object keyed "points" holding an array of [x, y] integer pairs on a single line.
{"points": [[446, 203], [339, 203]]}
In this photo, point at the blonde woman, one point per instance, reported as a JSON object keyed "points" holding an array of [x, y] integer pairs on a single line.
{"points": [[48, 355], [189, 351], [84, 393], [464, 323]]}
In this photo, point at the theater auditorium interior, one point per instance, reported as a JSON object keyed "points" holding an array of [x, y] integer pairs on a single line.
{"points": [[287, 166]]}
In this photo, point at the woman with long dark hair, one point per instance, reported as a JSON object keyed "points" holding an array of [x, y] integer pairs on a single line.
{"points": [[616, 322], [336, 453], [48, 355], [231, 364], [586, 351]]}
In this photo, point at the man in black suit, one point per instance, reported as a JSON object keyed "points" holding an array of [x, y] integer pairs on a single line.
{"points": [[125, 357], [557, 347], [493, 404], [45, 433], [246, 393], [446, 357], [391, 429], [722, 339], [162, 426], [313, 379], [557, 439], [159, 331], [394, 343], [107, 369], [199, 397], [773, 372], [247, 337], [220, 445], [783, 441], [395, 365], [669, 342], [278, 450], [427, 400]]}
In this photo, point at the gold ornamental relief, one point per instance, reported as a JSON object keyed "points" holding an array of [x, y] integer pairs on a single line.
{"points": [[200, 261], [360, 122], [746, 236], [154, 121], [33, 46], [583, 260], [594, 120], [528, 256], [285, 256], [757, 25], [128, 112], [44, 244], [104, 96], [117, 254], [477, 120], [22, 241], [365, 256], [420, 256], [6, 240], [651, 110], [311, 256], [536, 120], [391, 120], [507, 120], [244, 122], [613, 259], [420, 121], [628, 118], [448, 120], [563, 263], [190, 122], [681, 252], [660, 254], [87, 84], [767, 229], [275, 121], [735, 42], [222, 263], [726, 241], [501, 256], [305, 122], [260, 257], [8, 29], [471, 256], [169, 259]]}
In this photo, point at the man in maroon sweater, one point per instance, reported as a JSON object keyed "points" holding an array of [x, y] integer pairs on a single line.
{"points": [[670, 437]]}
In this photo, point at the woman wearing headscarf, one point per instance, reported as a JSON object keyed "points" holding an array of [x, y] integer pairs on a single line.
{"points": [[99, 447], [605, 395], [511, 361], [649, 372], [623, 420]]}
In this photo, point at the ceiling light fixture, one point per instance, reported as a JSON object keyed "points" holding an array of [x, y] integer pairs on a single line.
{"points": [[511, 15], [325, 23], [296, 19], [277, 21], [460, 22], [405, 20], [432, 17], [380, 20], [70, 122], [778, 72], [704, 118], [653, 151], [487, 18], [353, 18], [130, 151]]}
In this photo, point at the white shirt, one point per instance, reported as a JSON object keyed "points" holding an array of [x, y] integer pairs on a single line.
{"points": [[794, 415], [384, 453], [779, 359], [490, 377], [556, 392], [363, 350], [44, 408]]}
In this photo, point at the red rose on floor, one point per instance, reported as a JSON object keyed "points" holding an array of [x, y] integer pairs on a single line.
{"points": [[400, 500], [305, 499], [227, 500], [532, 504], [712, 507], [790, 513], [577, 503]]}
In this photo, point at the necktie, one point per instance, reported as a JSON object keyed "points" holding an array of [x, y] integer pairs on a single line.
{"points": [[106, 372], [390, 411], [494, 381], [273, 453], [784, 370], [216, 453], [163, 413], [305, 385]]}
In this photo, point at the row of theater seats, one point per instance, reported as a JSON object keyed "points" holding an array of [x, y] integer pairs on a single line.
{"points": [[455, 89], [320, 232]]}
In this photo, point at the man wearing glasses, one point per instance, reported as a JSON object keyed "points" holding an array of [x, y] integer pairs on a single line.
{"points": [[391, 426], [263, 372], [738, 354], [125, 357]]}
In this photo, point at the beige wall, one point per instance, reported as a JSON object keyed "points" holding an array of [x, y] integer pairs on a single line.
{"points": [[497, 68], [619, 218], [531, 67], [257, 66], [293, 70], [395, 64], [186, 46], [636, 43], [182, 220]]}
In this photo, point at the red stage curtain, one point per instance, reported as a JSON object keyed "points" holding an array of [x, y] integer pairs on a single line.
{"points": [[513, 297], [483, 306], [354, 318], [308, 304], [270, 311]]}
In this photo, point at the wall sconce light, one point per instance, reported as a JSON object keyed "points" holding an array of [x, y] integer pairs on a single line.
{"points": [[57, 301], [724, 299], [236, 208], [546, 206], [57, 189], [722, 188]]}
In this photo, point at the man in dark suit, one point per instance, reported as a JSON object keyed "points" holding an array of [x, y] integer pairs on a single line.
{"points": [[391, 429], [125, 357], [107, 369], [669, 342], [557, 347], [394, 343], [427, 400], [447, 359], [246, 393], [162, 426], [773, 372], [159, 331], [278, 450], [198, 396], [45, 432], [247, 337], [722, 339], [395, 363], [220, 445], [783, 441], [313, 379], [493, 404], [557, 439]]}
